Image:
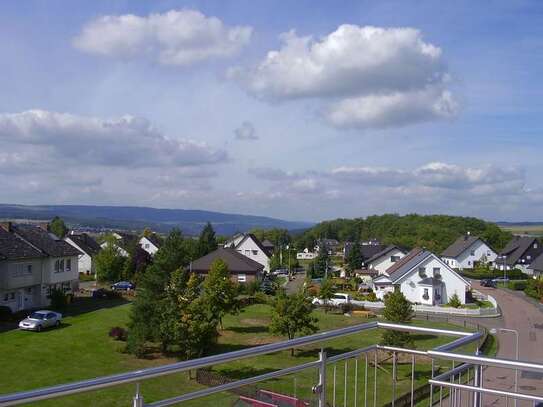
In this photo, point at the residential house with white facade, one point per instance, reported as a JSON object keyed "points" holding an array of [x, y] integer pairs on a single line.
{"points": [[88, 247], [34, 261], [467, 251], [123, 242], [150, 243], [251, 247], [519, 253], [384, 259], [423, 278], [536, 267], [306, 255]]}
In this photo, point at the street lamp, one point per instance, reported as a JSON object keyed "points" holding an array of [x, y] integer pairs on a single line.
{"points": [[493, 332]]}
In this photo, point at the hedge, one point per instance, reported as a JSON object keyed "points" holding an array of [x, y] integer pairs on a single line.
{"points": [[518, 285], [510, 274]]}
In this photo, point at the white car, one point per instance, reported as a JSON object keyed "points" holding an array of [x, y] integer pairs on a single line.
{"points": [[336, 300], [39, 320]]}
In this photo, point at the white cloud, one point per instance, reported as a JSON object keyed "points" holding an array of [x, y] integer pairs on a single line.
{"points": [[371, 76], [246, 131], [122, 142], [177, 37]]}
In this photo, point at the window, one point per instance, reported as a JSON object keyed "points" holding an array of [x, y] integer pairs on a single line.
{"points": [[28, 290], [247, 252], [57, 266], [394, 259], [147, 245], [528, 257], [61, 267], [29, 269], [12, 296], [68, 264], [488, 253], [469, 262], [255, 252], [437, 272], [472, 252], [242, 278], [425, 295], [535, 245], [422, 272]]}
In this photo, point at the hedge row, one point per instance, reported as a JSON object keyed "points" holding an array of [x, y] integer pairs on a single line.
{"points": [[511, 274]]}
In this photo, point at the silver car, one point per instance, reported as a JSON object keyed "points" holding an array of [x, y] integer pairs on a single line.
{"points": [[39, 320]]}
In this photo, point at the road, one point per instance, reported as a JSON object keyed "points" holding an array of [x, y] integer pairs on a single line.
{"points": [[296, 284], [524, 317]]}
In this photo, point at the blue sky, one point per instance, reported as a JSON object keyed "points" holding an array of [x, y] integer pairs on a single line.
{"points": [[300, 110]]}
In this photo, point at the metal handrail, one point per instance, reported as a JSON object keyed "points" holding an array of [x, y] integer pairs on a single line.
{"points": [[441, 352]]}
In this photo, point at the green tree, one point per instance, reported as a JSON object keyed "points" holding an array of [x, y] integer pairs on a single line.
{"points": [[58, 227], [397, 310], [220, 291], [207, 242], [109, 263], [326, 292], [292, 315], [354, 258], [320, 264], [454, 301]]}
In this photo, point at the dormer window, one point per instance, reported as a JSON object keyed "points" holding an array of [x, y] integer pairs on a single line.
{"points": [[422, 272], [394, 259]]}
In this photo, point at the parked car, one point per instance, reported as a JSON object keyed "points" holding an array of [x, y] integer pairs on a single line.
{"points": [[336, 300], [39, 320], [280, 272], [123, 286], [488, 283], [500, 280]]}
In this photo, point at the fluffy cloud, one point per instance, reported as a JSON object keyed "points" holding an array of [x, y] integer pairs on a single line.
{"points": [[126, 141], [370, 76], [177, 37], [246, 131]]}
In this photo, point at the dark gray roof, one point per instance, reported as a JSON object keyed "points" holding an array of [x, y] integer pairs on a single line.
{"points": [[45, 241], [266, 243], [459, 246], [516, 248], [13, 247], [85, 243], [405, 264], [236, 262], [154, 239], [367, 251], [383, 252], [537, 264]]}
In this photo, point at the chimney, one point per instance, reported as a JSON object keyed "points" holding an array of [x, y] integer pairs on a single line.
{"points": [[6, 226]]}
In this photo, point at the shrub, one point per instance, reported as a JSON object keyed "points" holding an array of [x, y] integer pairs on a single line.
{"points": [[455, 301], [534, 289], [262, 298], [346, 308], [58, 299], [5, 313], [252, 287], [372, 297], [118, 333], [518, 285]]}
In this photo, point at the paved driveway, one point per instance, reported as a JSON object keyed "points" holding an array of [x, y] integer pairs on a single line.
{"points": [[527, 319]]}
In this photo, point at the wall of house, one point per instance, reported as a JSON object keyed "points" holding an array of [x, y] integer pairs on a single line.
{"points": [[451, 283], [20, 289], [466, 259], [148, 246], [383, 263], [250, 249], [85, 263]]}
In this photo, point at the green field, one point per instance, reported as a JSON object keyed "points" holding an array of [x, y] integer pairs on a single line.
{"points": [[535, 230], [81, 349]]}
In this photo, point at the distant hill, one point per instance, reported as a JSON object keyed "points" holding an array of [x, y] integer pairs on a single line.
{"points": [[137, 218], [435, 232]]}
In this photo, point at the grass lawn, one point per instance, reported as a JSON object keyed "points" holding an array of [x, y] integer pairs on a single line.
{"points": [[81, 349]]}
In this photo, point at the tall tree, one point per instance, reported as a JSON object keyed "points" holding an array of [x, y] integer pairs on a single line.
{"points": [[220, 291], [207, 242], [58, 227], [109, 263], [354, 258], [398, 310], [292, 315], [320, 264]]}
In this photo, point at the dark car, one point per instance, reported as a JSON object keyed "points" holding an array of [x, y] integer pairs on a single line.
{"points": [[123, 286], [488, 283]]}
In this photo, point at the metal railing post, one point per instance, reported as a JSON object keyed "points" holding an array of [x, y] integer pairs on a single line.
{"points": [[477, 382], [322, 378], [137, 401]]}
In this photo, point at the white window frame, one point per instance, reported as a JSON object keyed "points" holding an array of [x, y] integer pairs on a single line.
{"points": [[242, 278]]}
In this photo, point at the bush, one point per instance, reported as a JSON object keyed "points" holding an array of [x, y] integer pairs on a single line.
{"points": [[346, 308], [5, 313], [118, 333], [252, 287], [534, 289], [58, 299], [455, 301], [515, 274], [518, 285]]}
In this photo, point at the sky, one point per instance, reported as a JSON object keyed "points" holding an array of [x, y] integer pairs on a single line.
{"points": [[299, 110]]}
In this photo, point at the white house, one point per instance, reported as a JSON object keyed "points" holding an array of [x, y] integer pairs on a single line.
{"points": [[384, 259], [251, 247], [34, 261], [306, 255], [150, 244], [423, 278], [88, 248], [467, 251], [123, 242]]}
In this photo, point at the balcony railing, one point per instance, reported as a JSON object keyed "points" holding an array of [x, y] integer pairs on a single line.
{"points": [[461, 385]]}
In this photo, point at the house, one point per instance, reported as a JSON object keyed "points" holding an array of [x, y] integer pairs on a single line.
{"points": [[242, 269], [536, 267], [306, 255], [88, 248], [34, 261], [123, 241], [269, 246], [331, 245], [251, 247], [423, 278], [467, 251], [234, 240], [519, 253], [384, 259], [150, 243]]}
